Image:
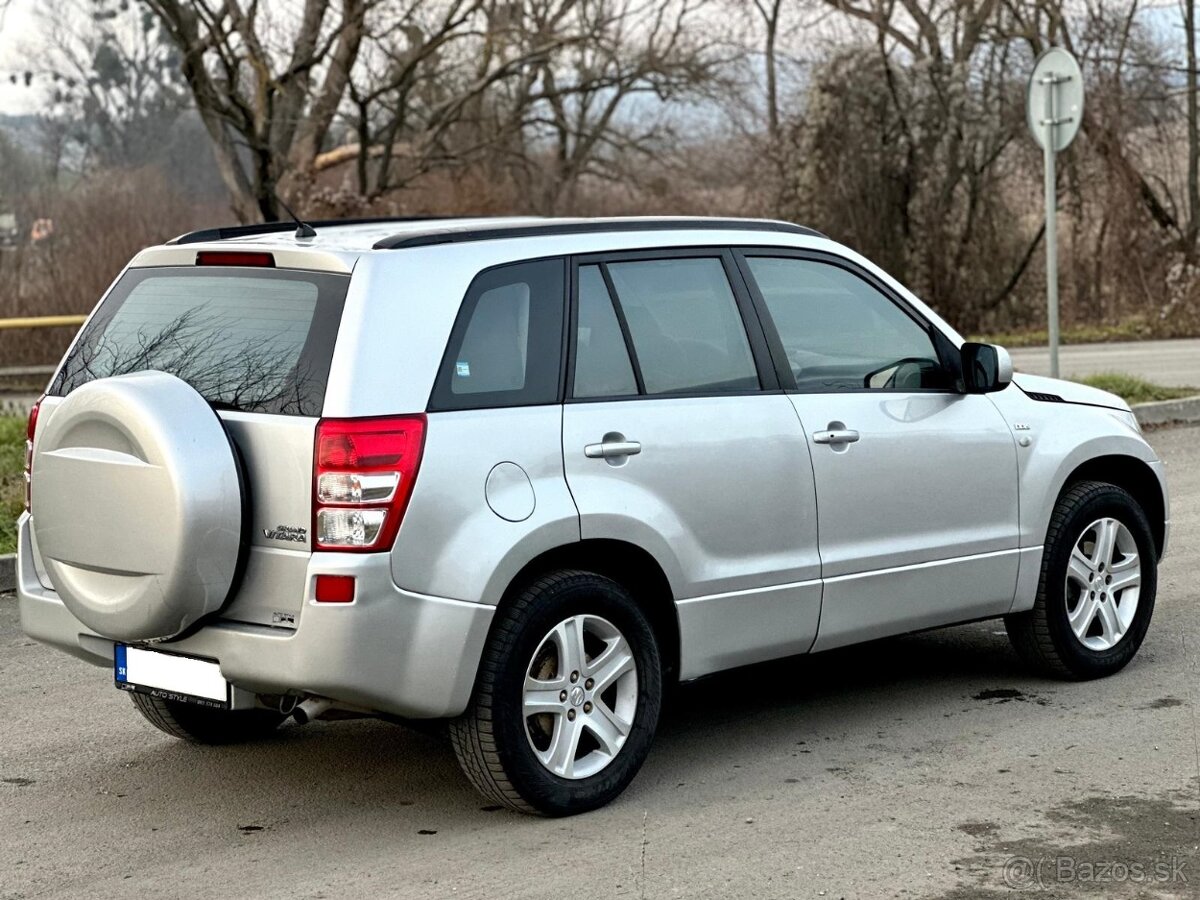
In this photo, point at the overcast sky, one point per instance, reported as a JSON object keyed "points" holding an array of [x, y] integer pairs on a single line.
{"points": [[15, 31]]}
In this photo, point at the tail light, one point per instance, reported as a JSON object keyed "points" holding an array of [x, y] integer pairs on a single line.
{"points": [[363, 475], [30, 429]]}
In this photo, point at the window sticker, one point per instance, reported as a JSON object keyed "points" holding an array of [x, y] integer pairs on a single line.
{"points": [[462, 369]]}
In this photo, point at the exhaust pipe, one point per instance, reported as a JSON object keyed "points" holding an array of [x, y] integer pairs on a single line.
{"points": [[312, 708]]}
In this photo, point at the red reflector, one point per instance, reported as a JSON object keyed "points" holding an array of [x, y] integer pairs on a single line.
{"points": [[30, 430], [231, 258], [335, 588], [31, 425]]}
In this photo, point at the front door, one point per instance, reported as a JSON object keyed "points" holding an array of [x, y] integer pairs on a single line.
{"points": [[916, 481], [671, 443]]}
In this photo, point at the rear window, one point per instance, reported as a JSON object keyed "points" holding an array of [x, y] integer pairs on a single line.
{"points": [[255, 340]]}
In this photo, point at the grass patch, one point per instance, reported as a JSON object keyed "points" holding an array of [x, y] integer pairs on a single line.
{"points": [[1135, 390], [1134, 330], [12, 484]]}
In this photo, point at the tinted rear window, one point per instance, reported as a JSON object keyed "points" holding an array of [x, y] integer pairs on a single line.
{"points": [[256, 340]]}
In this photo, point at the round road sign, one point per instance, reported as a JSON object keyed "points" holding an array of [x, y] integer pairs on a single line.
{"points": [[1054, 100]]}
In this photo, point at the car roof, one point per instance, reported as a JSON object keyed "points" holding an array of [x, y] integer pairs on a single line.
{"points": [[358, 236]]}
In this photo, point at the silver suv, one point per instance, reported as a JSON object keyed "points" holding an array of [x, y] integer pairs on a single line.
{"points": [[522, 475]]}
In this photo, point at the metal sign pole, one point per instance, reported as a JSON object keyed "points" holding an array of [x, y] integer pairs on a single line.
{"points": [[1054, 107], [1051, 184]]}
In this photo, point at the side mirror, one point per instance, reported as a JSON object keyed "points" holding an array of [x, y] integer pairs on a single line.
{"points": [[985, 368]]}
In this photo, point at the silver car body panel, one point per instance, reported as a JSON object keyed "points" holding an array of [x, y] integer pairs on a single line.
{"points": [[1055, 440], [879, 544], [721, 631], [452, 543], [277, 455], [948, 451], [869, 605], [721, 495], [911, 531]]}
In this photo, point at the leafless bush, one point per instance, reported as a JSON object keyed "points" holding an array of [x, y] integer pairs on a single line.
{"points": [[98, 226]]}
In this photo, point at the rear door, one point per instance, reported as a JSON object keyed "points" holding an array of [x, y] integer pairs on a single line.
{"points": [[916, 481], [256, 342], [677, 438]]}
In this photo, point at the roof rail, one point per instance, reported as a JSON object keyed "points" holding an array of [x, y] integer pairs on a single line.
{"points": [[232, 231], [467, 235]]}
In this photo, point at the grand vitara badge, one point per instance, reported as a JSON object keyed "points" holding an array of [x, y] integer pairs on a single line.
{"points": [[292, 533]]}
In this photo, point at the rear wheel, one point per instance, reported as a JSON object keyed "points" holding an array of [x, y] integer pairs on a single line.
{"points": [[1098, 582], [567, 698], [203, 725]]}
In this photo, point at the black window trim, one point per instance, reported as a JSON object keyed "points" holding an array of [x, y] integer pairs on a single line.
{"points": [[942, 345], [626, 335], [440, 398], [752, 325]]}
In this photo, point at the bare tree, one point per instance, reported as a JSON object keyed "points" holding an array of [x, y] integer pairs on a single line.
{"points": [[113, 80], [267, 88], [537, 91], [623, 50], [906, 144], [430, 93]]}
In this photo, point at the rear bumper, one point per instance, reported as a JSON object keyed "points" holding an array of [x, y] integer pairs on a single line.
{"points": [[390, 650]]}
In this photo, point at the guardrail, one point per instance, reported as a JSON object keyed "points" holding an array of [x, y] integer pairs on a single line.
{"points": [[26, 371], [41, 322]]}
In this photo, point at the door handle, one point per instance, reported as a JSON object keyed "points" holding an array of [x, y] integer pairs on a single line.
{"points": [[836, 436], [612, 449]]}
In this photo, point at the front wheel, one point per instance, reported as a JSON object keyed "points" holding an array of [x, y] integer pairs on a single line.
{"points": [[1098, 583], [567, 698]]}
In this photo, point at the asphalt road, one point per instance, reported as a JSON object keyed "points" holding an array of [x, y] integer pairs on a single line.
{"points": [[919, 767], [1172, 363]]}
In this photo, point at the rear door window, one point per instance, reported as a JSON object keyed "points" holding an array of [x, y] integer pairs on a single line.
{"points": [[687, 333], [245, 339]]}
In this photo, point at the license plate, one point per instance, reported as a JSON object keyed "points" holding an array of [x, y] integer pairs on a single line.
{"points": [[170, 677]]}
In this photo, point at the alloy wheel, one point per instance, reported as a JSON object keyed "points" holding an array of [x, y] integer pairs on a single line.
{"points": [[580, 696], [1104, 578]]}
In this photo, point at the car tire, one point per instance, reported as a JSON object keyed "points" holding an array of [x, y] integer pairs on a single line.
{"points": [[1076, 630], [528, 761], [203, 725]]}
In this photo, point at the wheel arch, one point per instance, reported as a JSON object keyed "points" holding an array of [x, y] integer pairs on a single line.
{"points": [[630, 565], [1133, 475]]}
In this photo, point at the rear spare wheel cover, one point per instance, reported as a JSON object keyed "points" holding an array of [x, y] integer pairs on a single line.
{"points": [[137, 507]]}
